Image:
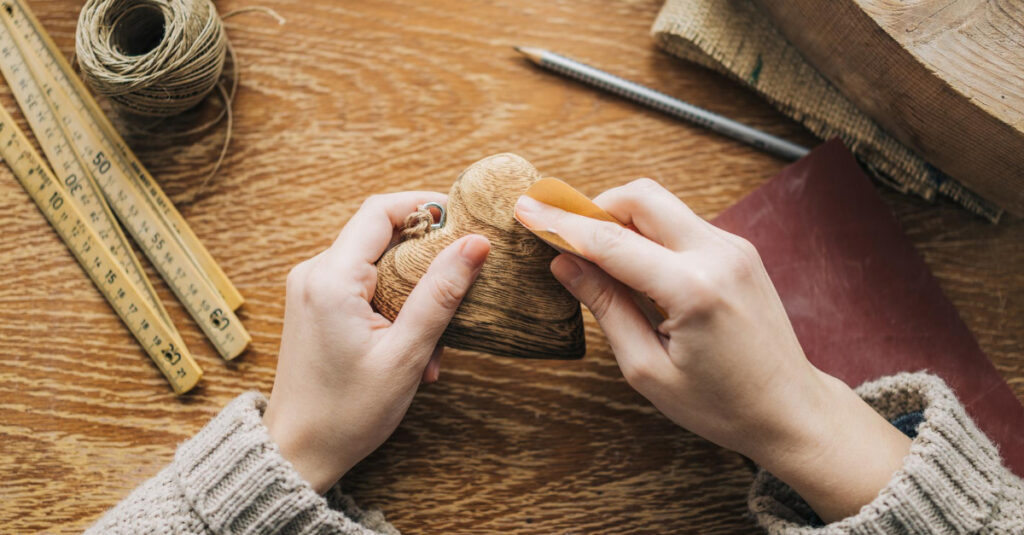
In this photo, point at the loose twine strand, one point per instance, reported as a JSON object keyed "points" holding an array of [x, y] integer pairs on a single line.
{"points": [[158, 58], [417, 224]]}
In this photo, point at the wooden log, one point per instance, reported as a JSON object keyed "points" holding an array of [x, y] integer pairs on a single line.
{"points": [[945, 78]]}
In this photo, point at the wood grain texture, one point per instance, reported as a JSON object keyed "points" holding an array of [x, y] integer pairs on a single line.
{"points": [[946, 78], [515, 308], [350, 99]]}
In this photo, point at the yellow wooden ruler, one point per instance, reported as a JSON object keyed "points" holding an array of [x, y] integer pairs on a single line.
{"points": [[111, 143], [105, 270], [134, 203], [91, 158], [81, 188]]}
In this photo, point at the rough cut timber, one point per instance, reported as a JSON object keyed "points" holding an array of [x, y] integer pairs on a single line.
{"points": [[944, 77]]}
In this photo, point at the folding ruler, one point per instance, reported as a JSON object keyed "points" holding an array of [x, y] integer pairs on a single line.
{"points": [[96, 175]]}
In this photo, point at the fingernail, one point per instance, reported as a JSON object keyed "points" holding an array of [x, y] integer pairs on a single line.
{"points": [[531, 209], [565, 269], [474, 250], [528, 205]]}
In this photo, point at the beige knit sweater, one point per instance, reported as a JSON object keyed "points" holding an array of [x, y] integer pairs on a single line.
{"points": [[231, 478]]}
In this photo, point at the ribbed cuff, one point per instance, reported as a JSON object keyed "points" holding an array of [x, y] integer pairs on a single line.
{"points": [[951, 481], [236, 480]]}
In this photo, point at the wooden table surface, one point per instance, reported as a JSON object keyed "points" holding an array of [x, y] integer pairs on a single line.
{"points": [[353, 98]]}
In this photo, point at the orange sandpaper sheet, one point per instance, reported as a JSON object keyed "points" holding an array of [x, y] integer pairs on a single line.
{"points": [[861, 299], [557, 193]]}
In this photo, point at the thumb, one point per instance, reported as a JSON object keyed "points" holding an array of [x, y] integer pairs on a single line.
{"points": [[432, 303], [636, 344]]}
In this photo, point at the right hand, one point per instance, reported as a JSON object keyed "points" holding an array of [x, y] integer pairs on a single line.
{"points": [[725, 363]]}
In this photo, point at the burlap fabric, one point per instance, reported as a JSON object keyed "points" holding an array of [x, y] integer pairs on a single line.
{"points": [[735, 38]]}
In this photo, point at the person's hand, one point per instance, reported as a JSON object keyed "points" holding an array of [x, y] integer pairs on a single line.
{"points": [[345, 374], [725, 363]]}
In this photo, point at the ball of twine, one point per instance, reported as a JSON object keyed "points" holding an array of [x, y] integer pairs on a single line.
{"points": [[154, 58]]}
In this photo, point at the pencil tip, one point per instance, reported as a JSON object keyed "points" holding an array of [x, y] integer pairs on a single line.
{"points": [[532, 54]]}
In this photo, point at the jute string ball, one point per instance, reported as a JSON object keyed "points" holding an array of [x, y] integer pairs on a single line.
{"points": [[154, 58]]}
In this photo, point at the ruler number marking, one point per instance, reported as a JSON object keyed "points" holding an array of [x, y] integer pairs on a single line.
{"points": [[101, 162]]}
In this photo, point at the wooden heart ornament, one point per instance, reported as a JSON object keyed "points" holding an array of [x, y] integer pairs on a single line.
{"points": [[515, 308]]}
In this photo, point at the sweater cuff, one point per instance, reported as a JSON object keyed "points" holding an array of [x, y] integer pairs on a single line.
{"points": [[235, 479], [951, 481]]}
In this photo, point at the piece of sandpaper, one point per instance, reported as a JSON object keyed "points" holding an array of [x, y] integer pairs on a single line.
{"points": [[861, 299]]}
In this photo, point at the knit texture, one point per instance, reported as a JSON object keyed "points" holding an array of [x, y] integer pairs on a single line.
{"points": [[231, 479], [952, 481]]}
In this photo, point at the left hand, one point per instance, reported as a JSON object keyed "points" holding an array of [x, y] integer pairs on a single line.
{"points": [[345, 374]]}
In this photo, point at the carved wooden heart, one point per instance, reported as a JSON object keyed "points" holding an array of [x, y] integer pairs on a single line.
{"points": [[515, 308]]}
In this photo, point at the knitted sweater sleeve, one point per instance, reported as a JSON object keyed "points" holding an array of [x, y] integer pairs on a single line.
{"points": [[952, 481], [231, 478]]}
